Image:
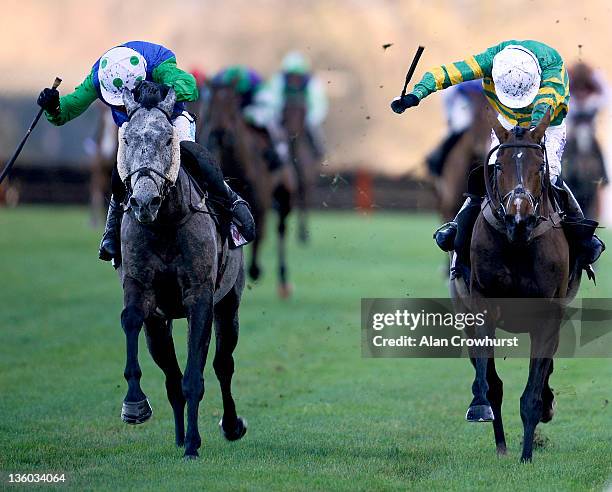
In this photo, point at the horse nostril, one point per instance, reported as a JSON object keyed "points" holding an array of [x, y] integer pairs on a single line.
{"points": [[156, 201], [133, 202]]}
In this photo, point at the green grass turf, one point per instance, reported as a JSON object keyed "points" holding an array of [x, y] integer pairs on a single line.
{"points": [[320, 416]]}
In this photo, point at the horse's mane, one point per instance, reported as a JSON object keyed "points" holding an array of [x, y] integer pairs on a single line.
{"points": [[150, 94]]}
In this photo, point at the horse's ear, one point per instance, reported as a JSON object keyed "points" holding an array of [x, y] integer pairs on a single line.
{"points": [[500, 132], [129, 102], [167, 105], [538, 131]]}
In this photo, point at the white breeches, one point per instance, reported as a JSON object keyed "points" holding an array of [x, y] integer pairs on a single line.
{"points": [[185, 126], [554, 140]]}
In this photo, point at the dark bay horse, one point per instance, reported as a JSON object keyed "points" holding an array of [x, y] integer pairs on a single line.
{"points": [[518, 250], [304, 160], [175, 265], [239, 148], [584, 168], [468, 153]]}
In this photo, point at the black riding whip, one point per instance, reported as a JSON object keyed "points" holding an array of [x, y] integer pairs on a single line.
{"points": [[9, 164], [412, 68]]}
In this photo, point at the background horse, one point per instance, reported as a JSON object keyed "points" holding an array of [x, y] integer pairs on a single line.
{"points": [[239, 148], [175, 265], [518, 250], [583, 164], [467, 154], [105, 152], [301, 154]]}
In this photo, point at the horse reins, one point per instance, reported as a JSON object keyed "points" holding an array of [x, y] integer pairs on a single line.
{"points": [[498, 206], [146, 171]]}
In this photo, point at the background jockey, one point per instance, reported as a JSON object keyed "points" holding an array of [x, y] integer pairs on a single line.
{"points": [[295, 76], [460, 108], [248, 83], [126, 66], [522, 80], [589, 93]]}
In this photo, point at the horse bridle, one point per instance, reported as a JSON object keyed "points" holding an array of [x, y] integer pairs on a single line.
{"points": [[497, 201], [146, 171]]}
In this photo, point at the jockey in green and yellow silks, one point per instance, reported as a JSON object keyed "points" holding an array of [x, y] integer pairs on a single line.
{"points": [[522, 81]]}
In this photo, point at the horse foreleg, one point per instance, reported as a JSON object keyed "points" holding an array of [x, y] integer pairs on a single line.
{"points": [[480, 408], [254, 268], [136, 408], [544, 343], [301, 191], [548, 398], [161, 346], [199, 306], [495, 396], [226, 329], [283, 199]]}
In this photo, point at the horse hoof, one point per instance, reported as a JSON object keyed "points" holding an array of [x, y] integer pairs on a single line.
{"points": [[237, 433], [479, 413], [193, 456], [501, 450], [134, 413], [285, 291]]}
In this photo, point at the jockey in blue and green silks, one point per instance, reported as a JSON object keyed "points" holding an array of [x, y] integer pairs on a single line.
{"points": [[126, 66], [522, 81]]}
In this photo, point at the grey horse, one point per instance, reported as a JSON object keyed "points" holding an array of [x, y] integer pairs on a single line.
{"points": [[175, 265]]}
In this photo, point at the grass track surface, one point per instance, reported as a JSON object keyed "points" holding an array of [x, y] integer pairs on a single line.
{"points": [[320, 417]]}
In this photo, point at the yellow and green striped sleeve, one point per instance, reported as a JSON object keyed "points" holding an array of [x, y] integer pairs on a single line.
{"points": [[475, 67], [553, 94]]}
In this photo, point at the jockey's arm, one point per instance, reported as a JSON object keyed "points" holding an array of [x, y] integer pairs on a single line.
{"points": [[75, 103], [184, 83], [444, 76], [317, 103], [552, 94]]}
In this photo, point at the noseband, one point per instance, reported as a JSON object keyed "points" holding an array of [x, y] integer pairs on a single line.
{"points": [[498, 202]]}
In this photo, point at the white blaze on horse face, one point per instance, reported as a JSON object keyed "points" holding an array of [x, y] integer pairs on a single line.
{"points": [[517, 205]]}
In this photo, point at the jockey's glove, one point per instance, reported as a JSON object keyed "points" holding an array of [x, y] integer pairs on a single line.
{"points": [[49, 100], [400, 104]]}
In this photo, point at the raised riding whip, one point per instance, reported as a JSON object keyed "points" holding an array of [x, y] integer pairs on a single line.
{"points": [[412, 68], [9, 164]]}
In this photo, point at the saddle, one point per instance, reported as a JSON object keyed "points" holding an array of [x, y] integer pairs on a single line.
{"points": [[559, 199]]}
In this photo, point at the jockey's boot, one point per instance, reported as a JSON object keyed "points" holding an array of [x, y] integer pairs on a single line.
{"points": [[201, 165], [457, 234], [447, 236], [580, 231], [110, 246], [241, 215]]}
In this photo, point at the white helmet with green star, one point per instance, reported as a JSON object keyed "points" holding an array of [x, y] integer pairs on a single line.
{"points": [[120, 67]]}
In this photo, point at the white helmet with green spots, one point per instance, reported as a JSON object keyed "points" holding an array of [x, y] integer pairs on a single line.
{"points": [[120, 67]]}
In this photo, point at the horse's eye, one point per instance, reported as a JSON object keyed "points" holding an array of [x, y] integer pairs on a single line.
{"points": [[125, 140], [168, 142]]}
